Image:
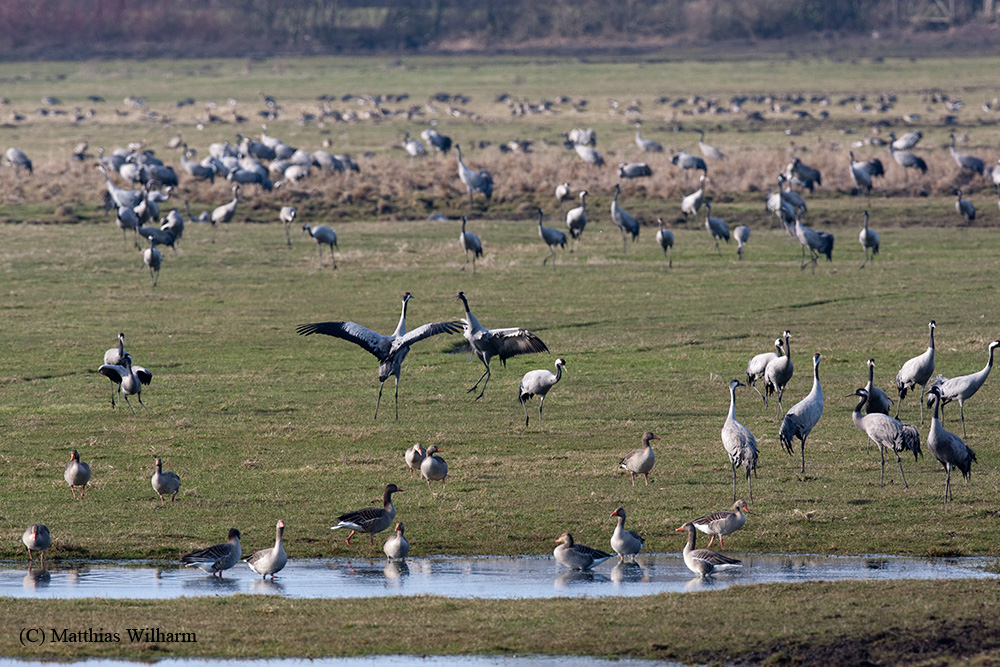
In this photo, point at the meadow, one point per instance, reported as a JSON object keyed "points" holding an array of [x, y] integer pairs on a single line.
{"points": [[262, 424]]}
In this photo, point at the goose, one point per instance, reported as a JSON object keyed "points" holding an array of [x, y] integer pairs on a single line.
{"points": [[414, 456], [640, 461], [577, 556], [168, 483], [718, 524], [370, 520], [397, 546], [77, 473], [269, 561], [704, 562], [433, 467], [218, 557], [624, 542], [36, 538]]}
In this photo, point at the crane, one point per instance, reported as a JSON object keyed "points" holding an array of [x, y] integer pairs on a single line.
{"points": [[390, 350], [225, 212], [963, 387], [860, 177], [436, 140], [802, 417], [634, 170], [742, 235], [553, 238], [474, 181], [887, 433], [323, 235], [819, 243], [917, 370], [563, 193], [717, 227], [665, 238], [470, 243], [907, 141], [576, 219], [949, 449], [906, 159], [538, 383], [794, 199], [129, 378], [646, 145], [878, 400], [739, 442], [687, 161], [589, 154], [489, 343], [692, 202], [152, 258], [17, 159], [964, 208], [868, 238], [965, 161], [758, 364], [803, 175], [287, 217], [121, 198], [778, 372], [708, 151], [196, 170], [622, 219], [414, 147]]}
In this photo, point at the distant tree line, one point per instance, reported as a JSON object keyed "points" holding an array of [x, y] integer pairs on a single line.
{"points": [[139, 28]]}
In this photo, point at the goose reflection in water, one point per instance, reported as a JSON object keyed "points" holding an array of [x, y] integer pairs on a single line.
{"points": [[571, 577], [267, 587], [211, 582], [628, 572], [36, 579], [395, 570]]}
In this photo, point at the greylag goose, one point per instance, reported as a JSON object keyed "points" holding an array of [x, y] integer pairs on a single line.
{"points": [[168, 483], [718, 524], [268, 561], [218, 557], [370, 520], [77, 474], [577, 556], [36, 538], [414, 457], [434, 467], [624, 542], [397, 546], [704, 562], [640, 461]]}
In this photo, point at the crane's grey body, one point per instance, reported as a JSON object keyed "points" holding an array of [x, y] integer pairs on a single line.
{"points": [[739, 442], [665, 239], [623, 220], [907, 141], [878, 400], [803, 175], [489, 343], [717, 227], [687, 161], [563, 192], [802, 417], [17, 158], [324, 236], [470, 243], [692, 202], [868, 238], [905, 158], [963, 387], [758, 364], [474, 181], [588, 154], [949, 449], [778, 372], [576, 219], [225, 212], [553, 238], [390, 350], [413, 146], [965, 161], [819, 243], [917, 370], [964, 208], [646, 145], [742, 235], [153, 258], [860, 177], [886, 433], [436, 140], [707, 150], [634, 170], [129, 378], [538, 383]]}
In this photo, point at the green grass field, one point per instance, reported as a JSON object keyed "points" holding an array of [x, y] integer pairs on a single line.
{"points": [[262, 424]]}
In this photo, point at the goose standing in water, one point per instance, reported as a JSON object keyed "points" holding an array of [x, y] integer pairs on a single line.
{"points": [[624, 542], [218, 557], [397, 546], [577, 556], [269, 561], [36, 538], [704, 562]]}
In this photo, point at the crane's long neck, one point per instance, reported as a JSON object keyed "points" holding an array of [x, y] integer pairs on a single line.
{"points": [[816, 390], [935, 420], [856, 415], [871, 376], [558, 372], [473, 322], [732, 403], [788, 348], [866, 221], [931, 345], [401, 327]]}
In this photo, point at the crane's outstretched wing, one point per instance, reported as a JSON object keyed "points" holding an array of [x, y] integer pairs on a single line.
{"points": [[426, 331], [145, 377], [113, 372], [374, 342], [514, 341]]}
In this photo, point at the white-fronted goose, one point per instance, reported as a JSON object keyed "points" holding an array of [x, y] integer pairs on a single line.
{"points": [[640, 461], [434, 468], [704, 561], [370, 520], [624, 542], [268, 561], [218, 557], [168, 483], [36, 538], [414, 457], [77, 474], [577, 556], [718, 524], [397, 546]]}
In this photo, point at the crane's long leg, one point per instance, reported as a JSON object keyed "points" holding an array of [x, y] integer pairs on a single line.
{"points": [[129, 404], [333, 258], [881, 477], [900, 462], [624, 248], [923, 390], [288, 238], [524, 404], [397, 398], [540, 404], [733, 464], [749, 486], [803, 448], [486, 375], [961, 409], [139, 396], [947, 482], [381, 386]]}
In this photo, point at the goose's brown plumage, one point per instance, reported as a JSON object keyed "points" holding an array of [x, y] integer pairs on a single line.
{"points": [[718, 524], [704, 562], [370, 520]]}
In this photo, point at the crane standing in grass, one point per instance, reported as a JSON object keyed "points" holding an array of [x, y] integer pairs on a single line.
{"points": [[917, 370], [778, 372], [474, 181], [717, 227], [758, 364], [964, 208], [538, 383], [623, 220], [949, 449], [887, 433], [739, 442], [963, 387], [470, 243], [965, 161], [323, 235], [225, 212], [287, 217], [553, 238], [868, 238], [800, 420], [665, 239], [576, 220], [742, 236]]}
